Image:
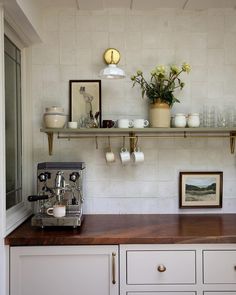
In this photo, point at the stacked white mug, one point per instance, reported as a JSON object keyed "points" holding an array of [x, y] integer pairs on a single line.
{"points": [[125, 123], [136, 123], [124, 156], [140, 123], [110, 156], [137, 156]]}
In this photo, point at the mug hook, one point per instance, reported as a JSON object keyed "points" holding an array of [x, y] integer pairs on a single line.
{"points": [[109, 143], [123, 141], [96, 142], [136, 142]]}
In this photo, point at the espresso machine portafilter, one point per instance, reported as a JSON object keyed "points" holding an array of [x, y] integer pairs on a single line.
{"points": [[59, 183]]}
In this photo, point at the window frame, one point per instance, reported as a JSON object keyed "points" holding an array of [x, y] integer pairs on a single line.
{"points": [[15, 191], [21, 211]]}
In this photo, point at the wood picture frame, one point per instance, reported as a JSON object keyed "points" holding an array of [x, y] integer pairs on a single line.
{"points": [[85, 100], [200, 189]]}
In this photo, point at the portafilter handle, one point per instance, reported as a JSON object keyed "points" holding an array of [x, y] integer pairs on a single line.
{"points": [[35, 198]]}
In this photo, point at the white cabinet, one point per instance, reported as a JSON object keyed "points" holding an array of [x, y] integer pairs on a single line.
{"points": [[170, 269], [60, 270], [178, 269]]}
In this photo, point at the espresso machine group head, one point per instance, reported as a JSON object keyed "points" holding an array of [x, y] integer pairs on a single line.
{"points": [[59, 183]]}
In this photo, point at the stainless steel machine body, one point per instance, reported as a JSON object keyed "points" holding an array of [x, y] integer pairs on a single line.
{"points": [[59, 183]]}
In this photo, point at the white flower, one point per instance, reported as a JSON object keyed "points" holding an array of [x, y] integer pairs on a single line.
{"points": [[186, 67], [174, 69], [160, 70]]}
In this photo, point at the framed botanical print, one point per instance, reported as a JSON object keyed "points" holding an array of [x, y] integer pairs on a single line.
{"points": [[200, 189], [85, 102]]}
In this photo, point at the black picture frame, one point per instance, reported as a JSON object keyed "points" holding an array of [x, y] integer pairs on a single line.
{"points": [[200, 189], [82, 92]]}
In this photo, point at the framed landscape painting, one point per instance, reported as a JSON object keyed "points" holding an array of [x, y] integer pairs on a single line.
{"points": [[200, 189]]}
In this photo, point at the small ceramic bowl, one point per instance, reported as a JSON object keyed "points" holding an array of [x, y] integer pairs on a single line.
{"points": [[54, 109], [54, 120]]}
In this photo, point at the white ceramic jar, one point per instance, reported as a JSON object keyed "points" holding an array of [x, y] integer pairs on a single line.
{"points": [[180, 120], [54, 120], [193, 120], [54, 117]]}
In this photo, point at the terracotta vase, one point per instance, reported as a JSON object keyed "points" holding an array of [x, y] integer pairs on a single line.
{"points": [[159, 114]]}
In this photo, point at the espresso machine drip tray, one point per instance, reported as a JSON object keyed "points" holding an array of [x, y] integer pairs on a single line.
{"points": [[43, 220], [59, 198]]}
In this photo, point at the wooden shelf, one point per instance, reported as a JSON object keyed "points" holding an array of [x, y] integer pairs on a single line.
{"points": [[138, 130], [134, 133]]}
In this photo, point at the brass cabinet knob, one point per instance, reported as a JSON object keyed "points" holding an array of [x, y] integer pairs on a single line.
{"points": [[161, 268]]}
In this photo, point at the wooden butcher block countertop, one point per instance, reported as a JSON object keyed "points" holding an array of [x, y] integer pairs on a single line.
{"points": [[132, 229]]}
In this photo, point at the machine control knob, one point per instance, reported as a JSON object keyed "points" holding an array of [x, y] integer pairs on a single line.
{"points": [[44, 176], [74, 176]]}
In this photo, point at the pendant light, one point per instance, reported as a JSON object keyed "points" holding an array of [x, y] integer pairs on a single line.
{"points": [[112, 56]]}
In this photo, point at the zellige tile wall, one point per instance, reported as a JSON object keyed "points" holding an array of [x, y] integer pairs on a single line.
{"points": [[72, 48]]}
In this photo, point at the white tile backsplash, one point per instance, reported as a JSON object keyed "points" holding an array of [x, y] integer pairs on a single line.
{"points": [[216, 21], [198, 22], [133, 40], [133, 23], [198, 57], [51, 20], [74, 42], [67, 20], [116, 23], [230, 25], [198, 40], [83, 23], [215, 90]]}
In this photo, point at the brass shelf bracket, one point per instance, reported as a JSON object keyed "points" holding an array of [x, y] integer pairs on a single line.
{"points": [[50, 142], [232, 142]]}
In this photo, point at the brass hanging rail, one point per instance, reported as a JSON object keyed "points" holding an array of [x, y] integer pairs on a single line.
{"points": [[146, 136]]}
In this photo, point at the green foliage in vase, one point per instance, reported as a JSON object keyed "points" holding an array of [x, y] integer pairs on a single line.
{"points": [[162, 84]]}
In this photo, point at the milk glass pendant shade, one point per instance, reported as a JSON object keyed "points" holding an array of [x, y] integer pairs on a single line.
{"points": [[112, 57]]}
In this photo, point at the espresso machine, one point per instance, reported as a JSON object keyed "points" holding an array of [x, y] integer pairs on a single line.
{"points": [[58, 183]]}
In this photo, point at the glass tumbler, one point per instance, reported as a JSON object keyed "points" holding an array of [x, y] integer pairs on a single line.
{"points": [[222, 120], [209, 116], [231, 116]]}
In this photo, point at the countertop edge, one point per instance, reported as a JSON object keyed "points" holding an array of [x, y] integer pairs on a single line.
{"points": [[133, 229], [112, 241]]}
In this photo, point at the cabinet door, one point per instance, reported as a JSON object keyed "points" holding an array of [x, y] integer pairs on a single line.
{"points": [[60, 270], [220, 293], [219, 267]]}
